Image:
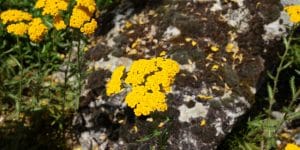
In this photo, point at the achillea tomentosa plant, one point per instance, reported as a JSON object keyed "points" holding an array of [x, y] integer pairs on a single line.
{"points": [[43, 35], [149, 80], [20, 22]]}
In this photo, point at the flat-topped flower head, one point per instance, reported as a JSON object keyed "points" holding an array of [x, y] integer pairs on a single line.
{"points": [[294, 13], [19, 29], [150, 80], [14, 16], [139, 69], [144, 102], [52, 7], [89, 27], [37, 30], [79, 17]]}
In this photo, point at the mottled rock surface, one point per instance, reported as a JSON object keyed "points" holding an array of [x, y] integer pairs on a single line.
{"points": [[223, 48]]}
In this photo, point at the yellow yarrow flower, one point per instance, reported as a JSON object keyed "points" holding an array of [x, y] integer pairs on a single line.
{"points": [[150, 80], [79, 17], [136, 75], [14, 15], [89, 28], [18, 29], [40, 4], [294, 13], [59, 23], [52, 7], [145, 102], [81, 14], [291, 146], [114, 85], [37, 30], [89, 4]]}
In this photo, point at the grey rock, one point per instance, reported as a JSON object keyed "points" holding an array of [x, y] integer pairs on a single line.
{"points": [[204, 104]]}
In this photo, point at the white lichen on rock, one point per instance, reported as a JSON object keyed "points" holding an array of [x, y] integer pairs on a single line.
{"points": [[186, 114], [238, 18], [119, 22], [217, 6], [111, 64], [188, 67], [277, 28], [172, 32], [218, 126], [290, 2]]}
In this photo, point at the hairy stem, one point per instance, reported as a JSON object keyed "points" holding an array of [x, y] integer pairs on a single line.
{"points": [[18, 101]]}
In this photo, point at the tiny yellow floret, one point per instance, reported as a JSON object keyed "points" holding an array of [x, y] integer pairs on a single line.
{"points": [[229, 47], [205, 97], [128, 24], [19, 29], [214, 48], [114, 85], [203, 122], [188, 39], [163, 53], [292, 146], [13, 16], [214, 67], [294, 13], [194, 43]]}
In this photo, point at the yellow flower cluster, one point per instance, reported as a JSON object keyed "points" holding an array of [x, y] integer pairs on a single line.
{"points": [[114, 85], [18, 29], [89, 28], [89, 4], [52, 8], [81, 16], [291, 146], [150, 80], [145, 102], [13, 16], [37, 30], [294, 13]]}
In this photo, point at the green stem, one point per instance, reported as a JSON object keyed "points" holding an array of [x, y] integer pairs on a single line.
{"points": [[18, 101], [49, 62], [275, 81], [39, 76], [294, 98], [278, 71]]}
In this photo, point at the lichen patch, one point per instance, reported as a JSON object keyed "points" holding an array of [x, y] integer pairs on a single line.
{"points": [[186, 114]]}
